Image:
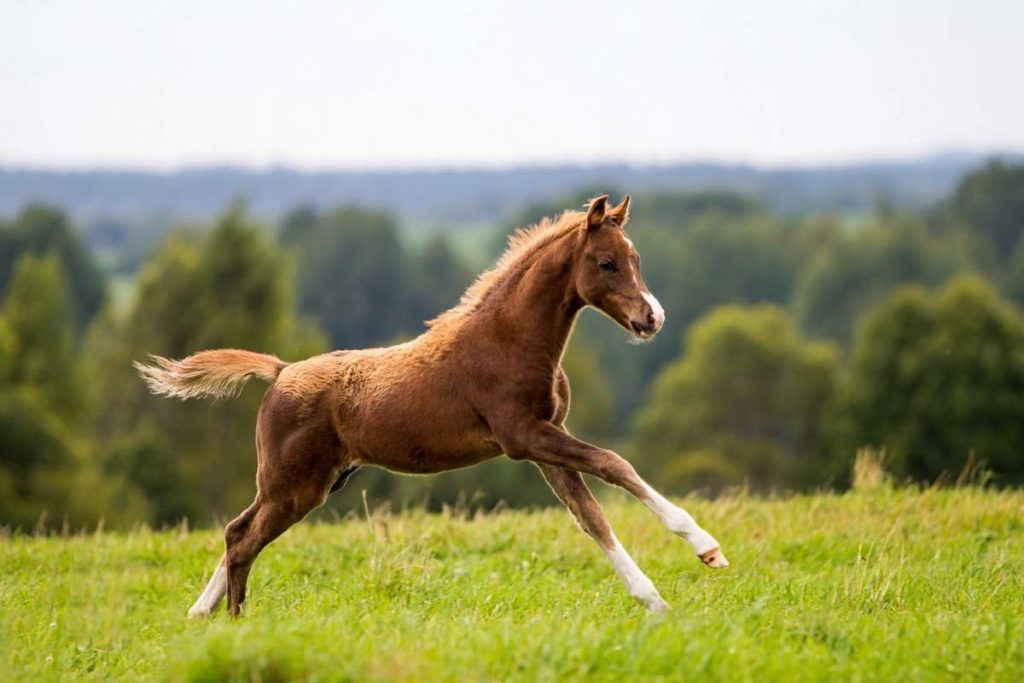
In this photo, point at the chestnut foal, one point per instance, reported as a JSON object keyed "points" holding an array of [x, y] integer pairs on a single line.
{"points": [[484, 379]]}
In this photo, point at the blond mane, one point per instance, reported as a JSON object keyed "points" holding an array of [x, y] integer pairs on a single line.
{"points": [[522, 245]]}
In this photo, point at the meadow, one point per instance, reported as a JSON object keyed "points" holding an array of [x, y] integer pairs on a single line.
{"points": [[887, 584]]}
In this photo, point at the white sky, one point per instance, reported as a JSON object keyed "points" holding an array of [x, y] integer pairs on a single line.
{"points": [[368, 84]]}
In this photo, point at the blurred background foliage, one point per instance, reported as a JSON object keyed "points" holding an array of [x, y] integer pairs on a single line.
{"points": [[793, 339]]}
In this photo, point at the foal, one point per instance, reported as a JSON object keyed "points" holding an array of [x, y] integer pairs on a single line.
{"points": [[484, 379]]}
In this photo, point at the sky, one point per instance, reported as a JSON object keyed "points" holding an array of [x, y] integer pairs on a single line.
{"points": [[316, 85]]}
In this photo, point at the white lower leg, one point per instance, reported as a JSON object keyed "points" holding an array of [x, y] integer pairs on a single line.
{"points": [[682, 524], [212, 594], [639, 586]]}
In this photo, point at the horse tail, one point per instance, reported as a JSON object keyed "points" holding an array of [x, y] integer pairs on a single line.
{"points": [[217, 374]]}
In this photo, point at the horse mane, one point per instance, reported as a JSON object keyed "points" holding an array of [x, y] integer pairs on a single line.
{"points": [[523, 243]]}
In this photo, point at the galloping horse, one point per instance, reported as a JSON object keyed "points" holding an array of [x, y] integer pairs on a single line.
{"points": [[484, 379]]}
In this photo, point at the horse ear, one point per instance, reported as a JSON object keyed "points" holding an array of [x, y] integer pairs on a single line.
{"points": [[595, 211], [620, 213]]}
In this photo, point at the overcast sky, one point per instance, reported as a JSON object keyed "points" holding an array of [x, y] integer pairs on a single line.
{"points": [[369, 84]]}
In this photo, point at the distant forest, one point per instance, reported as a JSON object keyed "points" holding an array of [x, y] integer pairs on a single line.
{"points": [[477, 195]]}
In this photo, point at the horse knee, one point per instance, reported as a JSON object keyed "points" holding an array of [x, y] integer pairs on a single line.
{"points": [[615, 469]]}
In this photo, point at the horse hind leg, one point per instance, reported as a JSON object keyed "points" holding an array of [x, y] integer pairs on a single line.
{"points": [[299, 464], [211, 596], [262, 522], [246, 537], [275, 509], [210, 599], [290, 487]]}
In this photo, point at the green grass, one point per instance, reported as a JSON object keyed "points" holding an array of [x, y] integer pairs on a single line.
{"points": [[887, 585]]}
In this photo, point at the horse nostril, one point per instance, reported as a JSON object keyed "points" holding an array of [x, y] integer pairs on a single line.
{"points": [[651, 319]]}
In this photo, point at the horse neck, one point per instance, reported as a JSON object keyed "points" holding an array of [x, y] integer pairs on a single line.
{"points": [[538, 306]]}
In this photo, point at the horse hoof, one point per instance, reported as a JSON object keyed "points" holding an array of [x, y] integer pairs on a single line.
{"points": [[714, 558], [200, 613], [658, 605]]}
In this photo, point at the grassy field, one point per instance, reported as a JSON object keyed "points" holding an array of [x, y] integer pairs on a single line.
{"points": [[886, 585]]}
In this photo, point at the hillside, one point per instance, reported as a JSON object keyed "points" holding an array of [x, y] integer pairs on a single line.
{"points": [[886, 585], [474, 195]]}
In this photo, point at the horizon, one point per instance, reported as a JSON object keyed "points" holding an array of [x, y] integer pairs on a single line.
{"points": [[937, 155]]}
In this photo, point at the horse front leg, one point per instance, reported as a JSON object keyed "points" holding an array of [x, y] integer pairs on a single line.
{"points": [[545, 443], [570, 488]]}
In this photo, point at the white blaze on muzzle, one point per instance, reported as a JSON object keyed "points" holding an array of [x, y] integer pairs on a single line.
{"points": [[659, 312]]}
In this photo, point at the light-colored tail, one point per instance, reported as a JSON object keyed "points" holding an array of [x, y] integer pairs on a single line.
{"points": [[218, 374]]}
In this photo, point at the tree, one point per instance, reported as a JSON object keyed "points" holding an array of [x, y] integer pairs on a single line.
{"points": [[1013, 283], [851, 272], [44, 400], [592, 402], [35, 454], [935, 378], [41, 230], [749, 401], [990, 202], [154, 468], [41, 360], [297, 225], [353, 276], [719, 259], [438, 278]]}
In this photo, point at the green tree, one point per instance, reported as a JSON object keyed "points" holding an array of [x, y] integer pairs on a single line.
{"points": [[297, 225], [937, 377], [41, 230], [35, 458], [353, 275], [990, 202], [749, 401], [45, 474], [719, 259], [41, 359], [438, 279], [592, 401], [1013, 283], [679, 209], [848, 273]]}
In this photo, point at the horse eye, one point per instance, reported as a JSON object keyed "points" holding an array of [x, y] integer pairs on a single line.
{"points": [[606, 265]]}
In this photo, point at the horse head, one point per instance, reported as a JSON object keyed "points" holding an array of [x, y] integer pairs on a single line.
{"points": [[607, 271]]}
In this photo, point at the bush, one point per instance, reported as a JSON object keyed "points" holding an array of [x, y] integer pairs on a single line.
{"points": [[936, 377], [749, 402]]}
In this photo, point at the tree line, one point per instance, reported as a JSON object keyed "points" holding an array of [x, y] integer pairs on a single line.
{"points": [[791, 342]]}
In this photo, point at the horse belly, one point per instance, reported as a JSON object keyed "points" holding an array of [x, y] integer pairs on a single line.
{"points": [[424, 442], [429, 455], [432, 459]]}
